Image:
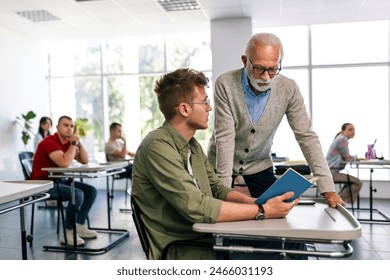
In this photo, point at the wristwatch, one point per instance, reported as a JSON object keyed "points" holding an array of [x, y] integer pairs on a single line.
{"points": [[73, 143], [261, 214]]}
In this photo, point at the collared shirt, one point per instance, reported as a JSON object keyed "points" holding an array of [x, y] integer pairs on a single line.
{"points": [[170, 200], [42, 159], [255, 102]]}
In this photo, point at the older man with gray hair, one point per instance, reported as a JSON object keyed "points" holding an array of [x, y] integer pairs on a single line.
{"points": [[250, 103]]}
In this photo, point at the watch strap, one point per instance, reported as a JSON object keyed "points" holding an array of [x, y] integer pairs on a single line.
{"points": [[261, 214]]}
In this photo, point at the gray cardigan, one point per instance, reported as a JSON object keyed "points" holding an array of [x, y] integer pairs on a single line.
{"points": [[239, 147]]}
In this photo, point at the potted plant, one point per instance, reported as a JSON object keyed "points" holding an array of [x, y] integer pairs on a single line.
{"points": [[82, 127], [25, 122]]}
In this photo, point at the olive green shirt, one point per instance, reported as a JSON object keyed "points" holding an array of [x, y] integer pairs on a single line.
{"points": [[169, 198]]}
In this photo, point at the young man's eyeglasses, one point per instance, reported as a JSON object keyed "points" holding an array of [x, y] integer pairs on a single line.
{"points": [[204, 102], [258, 70]]}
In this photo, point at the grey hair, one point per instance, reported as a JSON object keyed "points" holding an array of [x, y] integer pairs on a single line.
{"points": [[266, 39]]}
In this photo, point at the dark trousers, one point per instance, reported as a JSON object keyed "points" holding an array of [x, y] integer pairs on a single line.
{"points": [[259, 182], [128, 173]]}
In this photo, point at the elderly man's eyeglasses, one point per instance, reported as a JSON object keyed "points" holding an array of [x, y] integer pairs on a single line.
{"points": [[261, 70], [204, 102]]}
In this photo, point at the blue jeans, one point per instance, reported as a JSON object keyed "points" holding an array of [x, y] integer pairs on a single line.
{"points": [[85, 196]]}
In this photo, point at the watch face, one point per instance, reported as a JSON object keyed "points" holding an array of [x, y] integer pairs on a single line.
{"points": [[260, 216], [73, 142]]}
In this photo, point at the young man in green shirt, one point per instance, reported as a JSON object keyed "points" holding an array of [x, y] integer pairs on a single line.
{"points": [[174, 184]]}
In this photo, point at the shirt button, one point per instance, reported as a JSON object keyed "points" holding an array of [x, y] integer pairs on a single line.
{"points": [[241, 162], [246, 150], [253, 130]]}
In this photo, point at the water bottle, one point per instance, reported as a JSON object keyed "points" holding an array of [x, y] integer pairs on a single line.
{"points": [[370, 154]]}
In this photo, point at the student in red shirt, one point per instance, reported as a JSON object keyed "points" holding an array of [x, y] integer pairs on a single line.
{"points": [[59, 150]]}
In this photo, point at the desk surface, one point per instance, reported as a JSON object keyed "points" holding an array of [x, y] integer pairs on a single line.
{"points": [[303, 222], [90, 167], [14, 190], [370, 162]]}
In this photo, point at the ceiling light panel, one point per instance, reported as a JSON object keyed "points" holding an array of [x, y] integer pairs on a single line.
{"points": [[37, 15], [179, 5]]}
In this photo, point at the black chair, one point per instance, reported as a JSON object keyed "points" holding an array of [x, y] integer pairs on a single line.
{"points": [[143, 237], [26, 160], [139, 226], [22, 156]]}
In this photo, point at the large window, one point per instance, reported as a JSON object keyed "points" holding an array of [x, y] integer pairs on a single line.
{"points": [[350, 43], [113, 80], [343, 73]]}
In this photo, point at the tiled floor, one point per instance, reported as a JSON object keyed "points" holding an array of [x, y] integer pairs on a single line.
{"points": [[373, 245], [45, 233]]}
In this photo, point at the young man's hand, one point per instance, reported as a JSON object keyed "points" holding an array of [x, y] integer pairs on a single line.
{"points": [[277, 208]]}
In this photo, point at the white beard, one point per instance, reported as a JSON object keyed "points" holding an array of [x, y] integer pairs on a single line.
{"points": [[259, 84]]}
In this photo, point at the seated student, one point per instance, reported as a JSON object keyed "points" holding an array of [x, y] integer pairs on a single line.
{"points": [[116, 149], [336, 157], [59, 150], [45, 125], [174, 184]]}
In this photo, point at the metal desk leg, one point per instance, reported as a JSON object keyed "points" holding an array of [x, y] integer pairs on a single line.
{"points": [[73, 205], [371, 209], [23, 231], [371, 192], [109, 195]]}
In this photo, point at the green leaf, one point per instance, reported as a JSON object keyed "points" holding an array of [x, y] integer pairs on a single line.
{"points": [[30, 115], [25, 137]]}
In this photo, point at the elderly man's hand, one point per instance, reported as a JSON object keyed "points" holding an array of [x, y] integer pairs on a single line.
{"points": [[332, 199]]}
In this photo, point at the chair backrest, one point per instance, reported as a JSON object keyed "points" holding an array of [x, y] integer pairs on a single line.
{"points": [[28, 164], [140, 227], [27, 168], [23, 155]]}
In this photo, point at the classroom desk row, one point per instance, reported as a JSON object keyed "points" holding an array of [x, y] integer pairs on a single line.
{"points": [[320, 224]]}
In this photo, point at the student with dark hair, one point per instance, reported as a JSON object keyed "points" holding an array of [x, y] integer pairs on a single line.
{"points": [[116, 148], [336, 157], [45, 124], [59, 150]]}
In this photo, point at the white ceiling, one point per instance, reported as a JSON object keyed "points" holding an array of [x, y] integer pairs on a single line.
{"points": [[127, 17]]}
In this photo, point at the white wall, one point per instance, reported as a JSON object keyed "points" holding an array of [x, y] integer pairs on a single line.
{"points": [[22, 88]]}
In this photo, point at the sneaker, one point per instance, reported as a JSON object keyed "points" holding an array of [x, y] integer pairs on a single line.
{"points": [[84, 232], [69, 238]]}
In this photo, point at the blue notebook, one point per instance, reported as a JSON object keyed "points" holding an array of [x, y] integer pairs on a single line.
{"points": [[289, 181]]}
